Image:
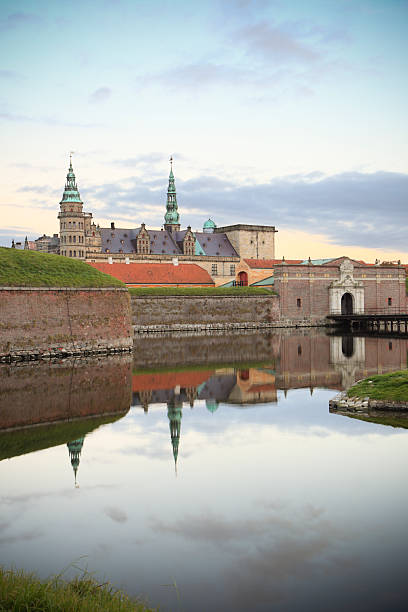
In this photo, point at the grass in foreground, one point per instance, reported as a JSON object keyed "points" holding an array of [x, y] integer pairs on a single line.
{"points": [[32, 269], [25, 592], [199, 291], [392, 386]]}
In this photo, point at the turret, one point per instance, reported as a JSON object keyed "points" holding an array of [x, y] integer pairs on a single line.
{"points": [[72, 230]]}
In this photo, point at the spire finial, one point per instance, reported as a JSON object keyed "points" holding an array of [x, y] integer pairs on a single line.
{"points": [[171, 161], [70, 158]]}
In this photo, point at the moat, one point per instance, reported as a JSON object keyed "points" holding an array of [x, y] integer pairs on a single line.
{"points": [[207, 473]]}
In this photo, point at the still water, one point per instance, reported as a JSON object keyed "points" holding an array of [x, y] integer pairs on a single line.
{"points": [[208, 474]]}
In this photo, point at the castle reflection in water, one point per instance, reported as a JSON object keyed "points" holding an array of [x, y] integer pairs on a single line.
{"points": [[71, 398]]}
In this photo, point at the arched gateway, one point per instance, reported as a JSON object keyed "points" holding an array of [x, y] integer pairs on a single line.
{"points": [[347, 304], [346, 295]]}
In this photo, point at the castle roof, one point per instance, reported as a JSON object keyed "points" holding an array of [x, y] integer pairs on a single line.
{"points": [[162, 242], [159, 274]]}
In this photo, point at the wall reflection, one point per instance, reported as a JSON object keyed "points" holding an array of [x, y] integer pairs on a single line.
{"points": [[47, 404]]}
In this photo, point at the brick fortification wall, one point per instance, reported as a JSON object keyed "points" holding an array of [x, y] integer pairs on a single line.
{"points": [[73, 320], [184, 312], [46, 392], [310, 284]]}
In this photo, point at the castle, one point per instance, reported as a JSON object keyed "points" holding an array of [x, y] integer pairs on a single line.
{"points": [[218, 250]]}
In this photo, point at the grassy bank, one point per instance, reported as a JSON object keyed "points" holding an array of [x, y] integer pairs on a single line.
{"points": [[32, 439], [32, 269], [207, 291], [392, 387], [25, 592]]}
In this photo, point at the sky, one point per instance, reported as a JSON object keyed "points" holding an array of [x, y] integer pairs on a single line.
{"points": [[290, 114]]}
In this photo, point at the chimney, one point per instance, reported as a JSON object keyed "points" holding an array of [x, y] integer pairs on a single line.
{"points": [[127, 260], [175, 261], [112, 225], [110, 260]]}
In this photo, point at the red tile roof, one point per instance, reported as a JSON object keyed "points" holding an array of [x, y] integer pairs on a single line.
{"points": [[169, 380], [269, 263], [160, 274]]}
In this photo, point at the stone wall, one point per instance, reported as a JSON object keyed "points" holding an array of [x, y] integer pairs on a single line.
{"points": [[47, 392], [174, 350], [44, 321], [205, 312]]}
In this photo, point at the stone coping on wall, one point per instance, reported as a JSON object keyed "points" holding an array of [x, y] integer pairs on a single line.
{"points": [[204, 296], [63, 289], [212, 327], [343, 403]]}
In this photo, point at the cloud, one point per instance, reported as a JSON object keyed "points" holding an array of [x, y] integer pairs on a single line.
{"points": [[10, 75], [100, 95], [42, 189], [51, 121], [19, 19], [116, 514], [273, 43], [350, 209], [202, 75], [22, 537]]}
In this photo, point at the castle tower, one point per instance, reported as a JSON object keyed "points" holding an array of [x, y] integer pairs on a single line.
{"points": [[172, 217], [74, 449], [71, 216]]}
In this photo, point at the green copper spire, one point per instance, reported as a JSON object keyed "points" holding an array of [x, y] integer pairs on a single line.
{"points": [[174, 413], [171, 217], [74, 448], [71, 193]]}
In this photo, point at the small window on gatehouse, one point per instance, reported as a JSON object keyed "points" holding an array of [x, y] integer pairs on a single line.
{"points": [[298, 302], [389, 301]]}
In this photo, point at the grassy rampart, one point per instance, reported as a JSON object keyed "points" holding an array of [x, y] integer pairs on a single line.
{"points": [[25, 592], [392, 387], [206, 291], [31, 269]]}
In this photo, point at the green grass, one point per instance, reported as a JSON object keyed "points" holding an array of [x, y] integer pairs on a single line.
{"points": [[31, 439], [243, 291], [392, 387], [32, 269], [20, 592], [389, 421]]}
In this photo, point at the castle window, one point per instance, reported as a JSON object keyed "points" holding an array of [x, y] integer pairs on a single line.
{"points": [[214, 269], [390, 346], [74, 238], [70, 253], [232, 270], [298, 302], [74, 253], [107, 251], [299, 349], [125, 235], [69, 223], [389, 301], [70, 238]]}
